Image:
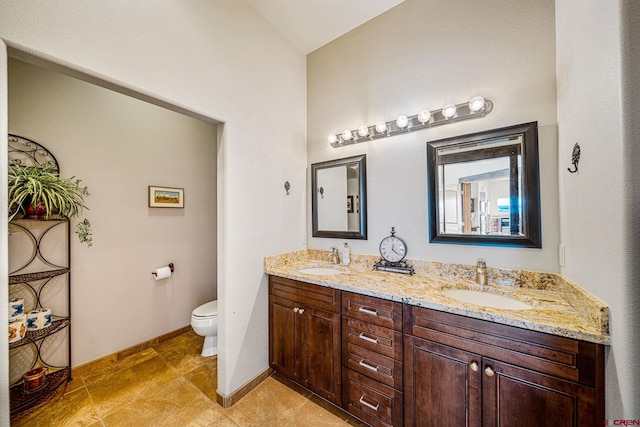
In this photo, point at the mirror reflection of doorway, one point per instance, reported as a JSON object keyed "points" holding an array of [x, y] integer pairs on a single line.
{"points": [[483, 196]]}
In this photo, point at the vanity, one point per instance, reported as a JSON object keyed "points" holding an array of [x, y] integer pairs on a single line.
{"points": [[394, 349], [436, 346]]}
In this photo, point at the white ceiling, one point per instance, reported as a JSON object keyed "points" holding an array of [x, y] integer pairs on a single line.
{"points": [[310, 24]]}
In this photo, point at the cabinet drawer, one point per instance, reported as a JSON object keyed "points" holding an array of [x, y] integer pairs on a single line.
{"points": [[559, 356], [374, 403], [311, 295], [384, 341], [374, 365], [372, 310]]}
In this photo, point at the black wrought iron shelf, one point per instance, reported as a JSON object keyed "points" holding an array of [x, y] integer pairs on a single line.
{"points": [[25, 152], [40, 275], [33, 336], [59, 218], [21, 401]]}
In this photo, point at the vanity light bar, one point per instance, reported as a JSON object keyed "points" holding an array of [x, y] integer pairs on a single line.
{"points": [[476, 108]]}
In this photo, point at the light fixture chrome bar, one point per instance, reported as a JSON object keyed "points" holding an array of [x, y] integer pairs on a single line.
{"points": [[462, 112]]}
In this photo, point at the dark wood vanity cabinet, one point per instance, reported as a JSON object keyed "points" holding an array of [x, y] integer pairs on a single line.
{"points": [[304, 335], [391, 364], [372, 359], [460, 371]]}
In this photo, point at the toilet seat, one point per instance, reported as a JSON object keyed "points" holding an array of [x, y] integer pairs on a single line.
{"points": [[209, 309]]}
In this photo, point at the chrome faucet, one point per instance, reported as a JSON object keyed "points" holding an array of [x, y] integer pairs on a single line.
{"points": [[333, 256], [481, 272]]}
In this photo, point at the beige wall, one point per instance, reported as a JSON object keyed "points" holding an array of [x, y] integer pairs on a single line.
{"points": [[425, 54], [222, 60], [118, 146], [597, 108]]}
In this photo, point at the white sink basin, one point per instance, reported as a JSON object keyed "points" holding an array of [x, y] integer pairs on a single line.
{"points": [[320, 271], [486, 299]]}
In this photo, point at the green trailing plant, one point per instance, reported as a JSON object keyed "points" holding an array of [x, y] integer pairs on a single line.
{"points": [[42, 189], [83, 230]]}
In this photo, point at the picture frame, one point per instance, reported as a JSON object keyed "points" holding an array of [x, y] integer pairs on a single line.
{"points": [[166, 197], [349, 204]]}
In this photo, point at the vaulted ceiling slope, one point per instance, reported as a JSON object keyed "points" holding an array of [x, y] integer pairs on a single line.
{"points": [[310, 24]]}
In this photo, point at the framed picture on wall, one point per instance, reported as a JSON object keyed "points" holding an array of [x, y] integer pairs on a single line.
{"points": [[166, 197], [349, 204]]}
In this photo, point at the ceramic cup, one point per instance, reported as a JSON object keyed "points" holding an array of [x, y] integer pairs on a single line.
{"points": [[17, 328], [39, 319], [45, 317], [16, 307], [35, 379]]}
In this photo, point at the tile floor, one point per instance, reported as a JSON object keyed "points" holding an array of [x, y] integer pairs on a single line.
{"points": [[172, 385]]}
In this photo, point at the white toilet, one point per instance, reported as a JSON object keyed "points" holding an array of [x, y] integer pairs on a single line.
{"points": [[204, 321]]}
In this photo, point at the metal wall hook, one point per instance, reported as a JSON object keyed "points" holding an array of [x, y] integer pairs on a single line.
{"points": [[287, 187], [575, 158]]}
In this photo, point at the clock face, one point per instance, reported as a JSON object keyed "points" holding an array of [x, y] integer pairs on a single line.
{"points": [[392, 249]]}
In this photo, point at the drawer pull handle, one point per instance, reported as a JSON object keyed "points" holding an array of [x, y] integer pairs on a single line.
{"points": [[474, 366], [368, 311], [366, 365], [489, 372], [369, 405], [362, 336]]}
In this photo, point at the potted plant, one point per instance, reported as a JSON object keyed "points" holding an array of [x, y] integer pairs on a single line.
{"points": [[39, 192]]}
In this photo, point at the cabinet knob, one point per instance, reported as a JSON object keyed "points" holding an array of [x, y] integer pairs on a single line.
{"points": [[489, 372], [474, 366], [295, 310], [301, 311]]}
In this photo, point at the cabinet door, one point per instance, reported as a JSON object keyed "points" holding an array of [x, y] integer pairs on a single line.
{"points": [[283, 336], [442, 385], [514, 396], [320, 352]]}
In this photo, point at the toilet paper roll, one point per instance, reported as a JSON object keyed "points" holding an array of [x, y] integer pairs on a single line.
{"points": [[16, 307], [161, 273], [17, 328]]}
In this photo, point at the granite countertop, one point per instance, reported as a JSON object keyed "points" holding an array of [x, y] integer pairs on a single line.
{"points": [[559, 306]]}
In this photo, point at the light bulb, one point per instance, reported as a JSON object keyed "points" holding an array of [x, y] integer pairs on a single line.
{"points": [[347, 135], [402, 122], [363, 131], [332, 138], [424, 116], [449, 111], [381, 127], [476, 103]]}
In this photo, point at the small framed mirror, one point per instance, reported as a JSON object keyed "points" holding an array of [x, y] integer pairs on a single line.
{"points": [[484, 188], [339, 198]]}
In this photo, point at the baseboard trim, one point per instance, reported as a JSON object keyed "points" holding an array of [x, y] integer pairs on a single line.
{"points": [[113, 358], [229, 401]]}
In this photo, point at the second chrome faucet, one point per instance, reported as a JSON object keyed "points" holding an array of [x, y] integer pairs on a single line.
{"points": [[481, 272], [334, 256]]}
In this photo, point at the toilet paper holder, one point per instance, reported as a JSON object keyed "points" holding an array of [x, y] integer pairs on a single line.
{"points": [[170, 268]]}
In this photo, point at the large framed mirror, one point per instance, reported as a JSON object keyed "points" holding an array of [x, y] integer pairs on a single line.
{"points": [[484, 188], [339, 198]]}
